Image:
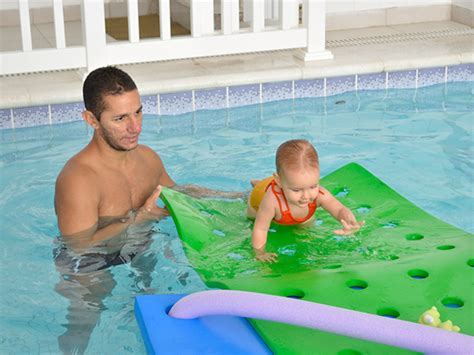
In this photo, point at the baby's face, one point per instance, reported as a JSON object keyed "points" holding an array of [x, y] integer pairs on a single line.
{"points": [[300, 186]]}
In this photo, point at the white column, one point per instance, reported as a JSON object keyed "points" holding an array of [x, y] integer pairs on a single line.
{"points": [[314, 20], [165, 20], [93, 25], [25, 25], [289, 13], [59, 24], [195, 18], [258, 15], [229, 16], [133, 24]]}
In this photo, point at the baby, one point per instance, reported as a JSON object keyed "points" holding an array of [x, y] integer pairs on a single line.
{"points": [[292, 195]]}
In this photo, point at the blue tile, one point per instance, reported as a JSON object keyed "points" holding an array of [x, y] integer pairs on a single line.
{"points": [[150, 104], [431, 76], [210, 99], [430, 98], [61, 113], [5, 119], [246, 118], [176, 103], [402, 79], [204, 120], [277, 91], [242, 95], [375, 81], [462, 72], [30, 116], [340, 84], [309, 88], [177, 125]]}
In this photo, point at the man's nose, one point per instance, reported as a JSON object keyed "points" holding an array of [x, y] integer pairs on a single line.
{"points": [[135, 125]]}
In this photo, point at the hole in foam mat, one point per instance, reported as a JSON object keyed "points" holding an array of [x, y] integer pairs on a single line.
{"points": [[388, 312], [452, 302], [363, 209], [470, 262], [393, 257], [357, 284], [341, 192], [445, 247], [349, 352], [390, 224], [414, 236], [293, 293], [418, 274], [218, 232], [333, 266]]}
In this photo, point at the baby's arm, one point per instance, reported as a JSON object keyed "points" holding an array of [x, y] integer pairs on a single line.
{"points": [[265, 215], [339, 212]]}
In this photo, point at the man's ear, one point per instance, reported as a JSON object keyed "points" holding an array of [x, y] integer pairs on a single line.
{"points": [[277, 179], [89, 117]]}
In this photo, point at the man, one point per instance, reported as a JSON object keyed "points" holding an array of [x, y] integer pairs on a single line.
{"points": [[106, 202], [113, 176]]}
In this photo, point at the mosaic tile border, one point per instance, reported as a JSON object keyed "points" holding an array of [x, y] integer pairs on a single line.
{"points": [[176, 103]]}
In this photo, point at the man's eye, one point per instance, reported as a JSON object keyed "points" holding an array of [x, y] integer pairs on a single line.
{"points": [[120, 118]]}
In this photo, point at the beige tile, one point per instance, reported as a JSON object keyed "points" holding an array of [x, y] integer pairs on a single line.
{"points": [[361, 19], [9, 18], [462, 15], [416, 14]]}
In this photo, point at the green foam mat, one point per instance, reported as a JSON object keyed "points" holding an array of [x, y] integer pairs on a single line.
{"points": [[402, 262]]}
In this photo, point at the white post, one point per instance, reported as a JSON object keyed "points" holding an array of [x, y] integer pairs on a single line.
{"points": [[133, 25], [93, 24], [289, 14], [258, 15], [165, 20], [229, 16], [314, 20], [25, 25], [207, 16], [59, 24], [195, 18]]}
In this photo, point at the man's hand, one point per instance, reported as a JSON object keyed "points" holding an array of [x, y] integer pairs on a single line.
{"points": [[150, 211]]}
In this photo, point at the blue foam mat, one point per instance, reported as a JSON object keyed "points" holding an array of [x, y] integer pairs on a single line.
{"points": [[163, 334]]}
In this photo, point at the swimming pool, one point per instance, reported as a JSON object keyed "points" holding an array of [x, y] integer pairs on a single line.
{"points": [[418, 141]]}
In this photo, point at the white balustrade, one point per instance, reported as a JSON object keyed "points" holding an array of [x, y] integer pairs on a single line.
{"points": [[283, 31]]}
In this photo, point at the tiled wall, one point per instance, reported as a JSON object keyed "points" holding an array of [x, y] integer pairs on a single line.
{"points": [[177, 103]]}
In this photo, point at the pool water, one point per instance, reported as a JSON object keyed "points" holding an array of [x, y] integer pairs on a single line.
{"points": [[419, 142]]}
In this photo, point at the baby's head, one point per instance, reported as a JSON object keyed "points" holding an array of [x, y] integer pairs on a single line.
{"points": [[296, 155]]}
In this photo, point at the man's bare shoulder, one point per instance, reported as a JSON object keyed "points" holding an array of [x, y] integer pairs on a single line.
{"points": [[147, 153], [76, 170]]}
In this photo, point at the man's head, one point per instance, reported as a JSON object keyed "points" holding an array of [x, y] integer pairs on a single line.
{"points": [[102, 82], [113, 108]]}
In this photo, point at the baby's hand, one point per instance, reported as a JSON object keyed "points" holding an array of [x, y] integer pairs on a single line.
{"points": [[266, 257], [349, 227]]}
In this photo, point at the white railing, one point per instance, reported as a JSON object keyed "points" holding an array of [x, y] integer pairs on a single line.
{"points": [[286, 33]]}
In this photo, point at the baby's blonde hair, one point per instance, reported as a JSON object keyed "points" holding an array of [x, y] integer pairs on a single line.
{"points": [[296, 154]]}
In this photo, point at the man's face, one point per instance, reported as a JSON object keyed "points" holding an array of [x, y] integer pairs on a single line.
{"points": [[121, 122]]}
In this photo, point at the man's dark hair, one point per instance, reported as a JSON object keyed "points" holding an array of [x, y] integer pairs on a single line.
{"points": [[104, 81]]}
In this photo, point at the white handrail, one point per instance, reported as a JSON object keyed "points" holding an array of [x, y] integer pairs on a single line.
{"points": [[203, 40]]}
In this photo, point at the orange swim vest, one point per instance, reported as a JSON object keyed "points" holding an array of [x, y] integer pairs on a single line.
{"points": [[286, 217]]}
